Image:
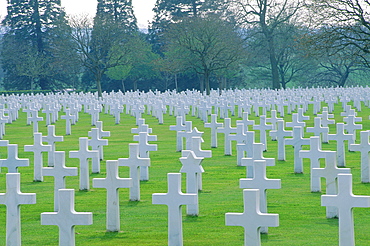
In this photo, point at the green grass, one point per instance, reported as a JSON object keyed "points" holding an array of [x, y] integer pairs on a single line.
{"points": [[301, 216]]}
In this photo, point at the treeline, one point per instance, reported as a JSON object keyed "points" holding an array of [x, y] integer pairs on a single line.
{"points": [[190, 44]]}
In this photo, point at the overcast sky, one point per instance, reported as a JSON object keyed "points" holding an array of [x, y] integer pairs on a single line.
{"points": [[142, 8]]}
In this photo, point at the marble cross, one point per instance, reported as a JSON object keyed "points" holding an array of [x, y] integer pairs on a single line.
{"points": [[35, 119], [134, 162], [84, 154], [144, 149], [214, 125], [51, 139], [66, 218], [280, 134], [96, 143], [12, 162], [174, 199], [345, 201], [13, 198], [112, 183], [314, 154], [191, 165], [340, 137], [319, 130], [37, 148], [59, 172], [252, 219], [263, 127], [178, 128], [69, 118], [297, 142], [262, 183], [227, 130], [364, 148], [330, 173], [257, 155]]}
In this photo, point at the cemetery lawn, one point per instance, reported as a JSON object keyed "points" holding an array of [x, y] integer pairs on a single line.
{"points": [[301, 217]]}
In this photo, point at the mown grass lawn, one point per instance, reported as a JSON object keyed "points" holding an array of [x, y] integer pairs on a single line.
{"points": [[302, 218]]}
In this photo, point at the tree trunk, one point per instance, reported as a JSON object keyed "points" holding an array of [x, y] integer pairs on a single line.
{"points": [[206, 82], [98, 77], [123, 85], [274, 64]]}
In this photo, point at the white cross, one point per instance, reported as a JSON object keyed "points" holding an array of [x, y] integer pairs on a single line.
{"points": [[314, 154], [12, 199], [246, 121], [101, 133], [51, 139], [213, 125], [262, 183], [144, 149], [325, 118], [319, 130], [96, 143], [330, 173], [273, 120], [345, 201], [35, 119], [59, 172], [69, 118], [37, 148], [178, 128], [134, 162], [340, 137], [280, 133], [112, 183], [247, 147], [364, 148], [174, 199], [252, 219], [84, 154], [257, 155], [12, 162], [227, 130], [297, 141], [66, 218], [263, 127], [191, 165], [351, 126], [295, 122]]}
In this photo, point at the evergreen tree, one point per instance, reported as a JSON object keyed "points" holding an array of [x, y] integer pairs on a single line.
{"points": [[30, 45], [114, 24], [173, 11]]}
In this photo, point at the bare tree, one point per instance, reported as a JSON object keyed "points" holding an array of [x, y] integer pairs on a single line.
{"points": [[93, 54], [267, 16]]}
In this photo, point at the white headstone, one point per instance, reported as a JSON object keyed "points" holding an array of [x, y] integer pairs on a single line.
{"points": [[37, 148], [213, 125], [59, 172], [96, 143], [330, 173], [297, 141], [252, 219], [345, 201], [174, 199], [134, 162], [112, 183], [227, 130], [12, 162], [66, 218], [340, 137], [51, 139], [364, 148], [262, 183], [191, 165], [84, 154], [13, 198]]}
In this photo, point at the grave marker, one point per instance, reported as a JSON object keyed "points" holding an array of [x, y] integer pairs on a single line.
{"points": [[252, 219], [13, 198], [112, 183], [345, 201], [66, 218], [174, 199]]}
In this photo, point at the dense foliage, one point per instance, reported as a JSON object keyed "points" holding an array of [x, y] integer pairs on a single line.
{"points": [[189, 44]]}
